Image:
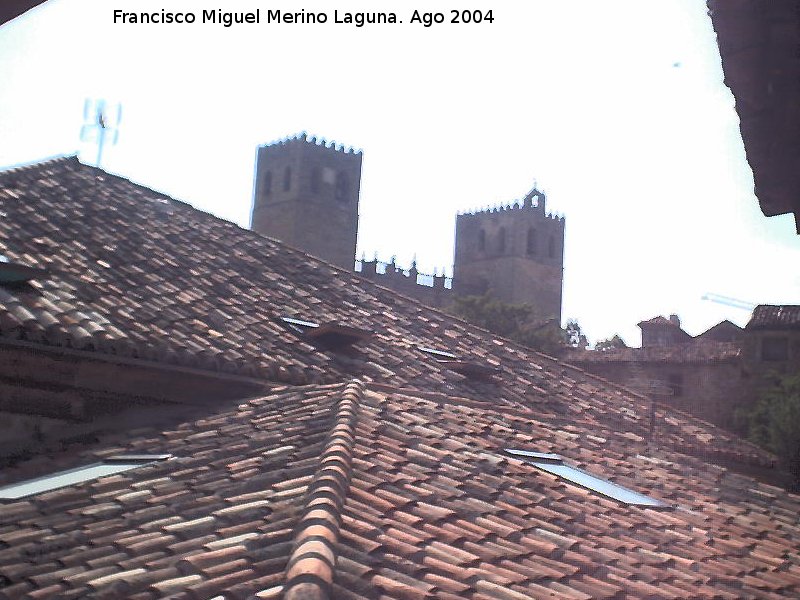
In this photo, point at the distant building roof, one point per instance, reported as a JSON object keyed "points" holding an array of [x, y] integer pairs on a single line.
{"points": [[724, 331], [767, 316], [658, 321]]}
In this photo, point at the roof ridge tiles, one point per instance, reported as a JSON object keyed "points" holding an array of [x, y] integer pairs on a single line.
{"points": [[310, 570]]}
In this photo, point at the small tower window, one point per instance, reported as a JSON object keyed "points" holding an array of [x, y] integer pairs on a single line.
{"points": [[551, 247], [531, 246], [481, 240], [287, 179], [316, 176], [501, 240], [267, 183], [342, 188]]}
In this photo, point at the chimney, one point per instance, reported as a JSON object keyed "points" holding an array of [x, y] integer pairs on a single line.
{"points": [[675, 320]]}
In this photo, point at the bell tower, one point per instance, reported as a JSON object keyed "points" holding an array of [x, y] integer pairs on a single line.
{"points": [[514, 252], [306, 195]]}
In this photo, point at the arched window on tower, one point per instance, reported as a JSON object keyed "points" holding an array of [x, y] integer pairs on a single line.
{"points": [[267, 184], [342, 187], [501, 240], [531, 246], [315, 180], [482, 240], [287, 179], [551, 247]]}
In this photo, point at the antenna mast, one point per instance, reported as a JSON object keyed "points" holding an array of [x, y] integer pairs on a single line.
{"points": [[100, 122]]}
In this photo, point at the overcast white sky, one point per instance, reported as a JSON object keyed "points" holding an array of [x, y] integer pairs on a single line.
{"points": [[616, 108]]}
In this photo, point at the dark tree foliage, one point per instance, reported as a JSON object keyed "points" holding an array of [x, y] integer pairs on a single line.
{"points": [[518, 322], [611, 343], [774, 423], [574, 335]]}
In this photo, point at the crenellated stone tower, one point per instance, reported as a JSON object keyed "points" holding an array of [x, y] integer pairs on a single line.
{"points": [[514, 252], [306, 194]]}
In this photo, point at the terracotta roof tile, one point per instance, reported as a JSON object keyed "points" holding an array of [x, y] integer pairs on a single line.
{"points": [[355, 490], [767, 316]]}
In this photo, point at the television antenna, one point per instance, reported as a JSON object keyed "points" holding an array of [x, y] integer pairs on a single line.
{"points": [[100, 124]]}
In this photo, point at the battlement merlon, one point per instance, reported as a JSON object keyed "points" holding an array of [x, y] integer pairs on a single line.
{"points": [[535, 200], [389, 271], [303, 138], [478, 214]]}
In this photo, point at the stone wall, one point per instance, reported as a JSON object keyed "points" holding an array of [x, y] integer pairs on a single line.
{"points": [[431, 290], [711, 391]]}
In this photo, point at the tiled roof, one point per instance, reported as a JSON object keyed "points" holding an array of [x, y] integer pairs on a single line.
{"points": [[136, 273], [766, 316], [697, 351], [377, 492], [659, 320], [374, 488], [722, 331]]}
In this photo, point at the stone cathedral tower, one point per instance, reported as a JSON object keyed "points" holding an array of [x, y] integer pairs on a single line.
{"points": [[306, 194], [514, 252]]}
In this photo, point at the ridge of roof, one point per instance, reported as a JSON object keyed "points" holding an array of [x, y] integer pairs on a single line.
{"points": [[39, 163], [310, 571]]}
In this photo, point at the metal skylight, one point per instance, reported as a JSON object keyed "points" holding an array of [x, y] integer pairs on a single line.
{"points": [[298, 325], [437, 353], [554, 463], [54, 481]]}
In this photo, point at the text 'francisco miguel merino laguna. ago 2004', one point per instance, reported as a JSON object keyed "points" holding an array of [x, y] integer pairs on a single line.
{"points": [[302, 17]]}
